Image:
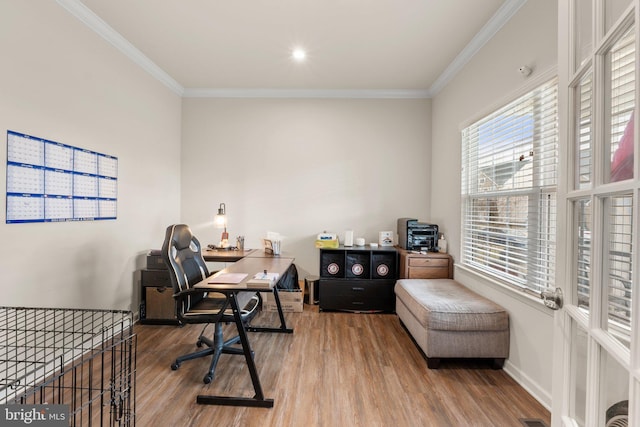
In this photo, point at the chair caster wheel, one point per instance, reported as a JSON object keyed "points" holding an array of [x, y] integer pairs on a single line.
{"points": [[207, 379], [175, 366]]}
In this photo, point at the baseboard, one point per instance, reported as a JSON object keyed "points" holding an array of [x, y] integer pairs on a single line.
{"points": [[530, 386]]}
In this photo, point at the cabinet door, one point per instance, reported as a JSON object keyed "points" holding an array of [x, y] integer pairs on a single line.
{"points": [[159, 303]]}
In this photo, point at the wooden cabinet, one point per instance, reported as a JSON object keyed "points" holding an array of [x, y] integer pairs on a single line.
{"points": [[157, 305], [432, 265], [358, 279]]}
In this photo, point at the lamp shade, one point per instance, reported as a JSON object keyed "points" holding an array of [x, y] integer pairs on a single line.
{"points": [[220, 221]]}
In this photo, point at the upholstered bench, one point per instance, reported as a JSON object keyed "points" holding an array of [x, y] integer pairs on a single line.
{"points": [[448, 320]]}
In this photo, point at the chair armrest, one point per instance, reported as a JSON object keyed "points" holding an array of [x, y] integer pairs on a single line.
{"points": [[190, 292], [202, 309]]}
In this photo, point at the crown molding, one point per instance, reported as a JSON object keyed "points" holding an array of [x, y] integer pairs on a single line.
{"points": [[306, 93], [497, 21], [94, 22]]}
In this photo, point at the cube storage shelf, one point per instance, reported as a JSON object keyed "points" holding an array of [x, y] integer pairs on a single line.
{"points": [[358, 279]]}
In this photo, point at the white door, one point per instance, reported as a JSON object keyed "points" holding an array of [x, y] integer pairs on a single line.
{"points": [[597, 341]]}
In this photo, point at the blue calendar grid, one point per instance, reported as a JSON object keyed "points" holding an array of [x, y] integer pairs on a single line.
{"points": [[48, 181]]}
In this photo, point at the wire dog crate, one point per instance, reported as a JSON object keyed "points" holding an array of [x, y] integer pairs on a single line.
{"points": [[84, 359]]}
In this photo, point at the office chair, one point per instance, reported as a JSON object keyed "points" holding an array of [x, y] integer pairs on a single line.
{"points": [[182, 253]]}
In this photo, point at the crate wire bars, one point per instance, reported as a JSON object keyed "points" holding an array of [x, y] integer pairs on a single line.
{"points": [[85, 359]]}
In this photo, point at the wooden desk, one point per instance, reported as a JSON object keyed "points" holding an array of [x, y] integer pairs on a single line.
{"points": [[224, 255], [260, 253], [250, 266]]}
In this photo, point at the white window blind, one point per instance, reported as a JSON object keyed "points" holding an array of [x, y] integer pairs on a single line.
{"points": [[621, 80], [583, 132], [509, 190], [619, 284], [583, 221]]}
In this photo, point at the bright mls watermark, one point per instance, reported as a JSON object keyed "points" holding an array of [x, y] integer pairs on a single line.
{"points": [[34, 415]]}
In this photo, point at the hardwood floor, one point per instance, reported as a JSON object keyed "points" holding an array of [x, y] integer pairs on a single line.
{"points": [[336, 369]]}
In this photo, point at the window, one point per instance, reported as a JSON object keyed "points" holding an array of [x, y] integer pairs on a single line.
{"points": [[509, 191], [621, 75], [601, 217]]}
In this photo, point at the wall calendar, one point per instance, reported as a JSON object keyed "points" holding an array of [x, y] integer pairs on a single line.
{"points": [[48, 181]]}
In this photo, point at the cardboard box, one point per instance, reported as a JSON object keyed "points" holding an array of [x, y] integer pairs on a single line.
{"points": [[290, 300]]}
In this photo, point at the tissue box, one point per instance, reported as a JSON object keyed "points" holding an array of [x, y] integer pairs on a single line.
{"points": [[327, 240]]}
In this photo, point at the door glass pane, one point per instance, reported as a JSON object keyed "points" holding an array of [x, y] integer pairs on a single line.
{"points": [[613, 10], [621, 72], [583, 140], [616, 390], [583, 32], [583, 244], [578, 373], [618, 283]]}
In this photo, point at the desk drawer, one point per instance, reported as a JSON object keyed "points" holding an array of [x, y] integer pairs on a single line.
{"points": [[376, 304], [428, 273], [354, 287], [428, 262]]}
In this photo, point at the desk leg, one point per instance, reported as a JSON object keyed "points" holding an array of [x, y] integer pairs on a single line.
{"points": [[258, 400], [283, 325]]}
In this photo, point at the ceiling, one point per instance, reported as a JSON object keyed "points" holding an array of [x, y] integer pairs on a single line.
{"points": [[408, 48]]}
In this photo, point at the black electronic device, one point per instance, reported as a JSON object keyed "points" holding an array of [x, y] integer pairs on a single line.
{"points": [[417, 236]]}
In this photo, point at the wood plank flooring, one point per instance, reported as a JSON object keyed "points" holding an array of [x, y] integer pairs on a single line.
{"points": [[336, 369]]}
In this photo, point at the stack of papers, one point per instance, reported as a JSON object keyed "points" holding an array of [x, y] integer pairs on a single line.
{"points": [[263, 280]]}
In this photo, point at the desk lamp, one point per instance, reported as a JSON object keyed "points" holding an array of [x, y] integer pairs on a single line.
{"points": [[221, 222]]}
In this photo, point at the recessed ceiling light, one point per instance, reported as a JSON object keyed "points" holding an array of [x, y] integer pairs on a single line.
{"points": [[299, 54]]}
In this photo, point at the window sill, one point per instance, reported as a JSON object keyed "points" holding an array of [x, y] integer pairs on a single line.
{"points": [[509, 291]]}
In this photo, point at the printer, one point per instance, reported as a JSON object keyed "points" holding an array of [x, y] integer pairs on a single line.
{"points": [[417, 236]]}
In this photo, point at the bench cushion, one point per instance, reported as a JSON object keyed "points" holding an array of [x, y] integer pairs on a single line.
{"points": [[446, 305]]}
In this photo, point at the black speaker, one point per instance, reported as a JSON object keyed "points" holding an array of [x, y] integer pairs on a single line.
{"points": [[384, 266], [358, 265], [332, 264]]}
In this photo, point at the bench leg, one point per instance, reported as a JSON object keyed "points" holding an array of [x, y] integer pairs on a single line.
{"points": [[433, 362], [498, 363]]}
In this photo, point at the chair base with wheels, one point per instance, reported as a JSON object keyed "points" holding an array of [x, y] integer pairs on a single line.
{"points": [[215, 348]]}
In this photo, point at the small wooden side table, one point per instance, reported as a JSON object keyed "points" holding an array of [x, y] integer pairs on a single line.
{"points": [[432, 265]]}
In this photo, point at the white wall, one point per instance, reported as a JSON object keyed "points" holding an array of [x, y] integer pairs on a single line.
{"points": [[302, 166], [489, 79], [61, 82]]}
